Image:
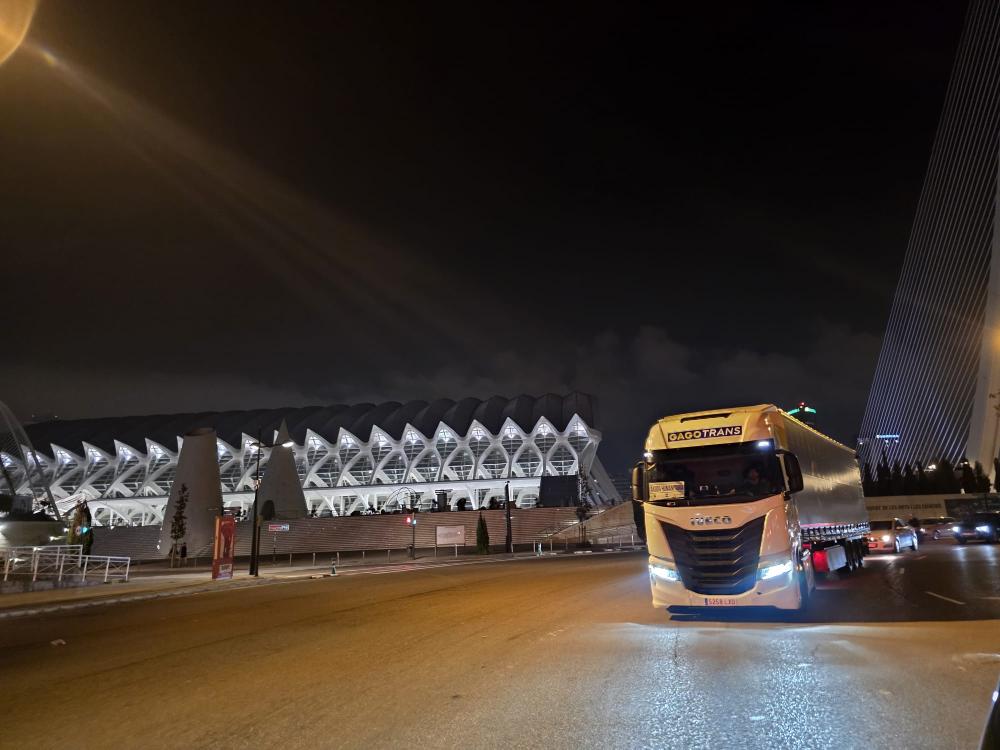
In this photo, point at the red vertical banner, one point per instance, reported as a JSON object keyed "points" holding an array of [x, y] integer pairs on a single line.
{"points": [[225, 548]]}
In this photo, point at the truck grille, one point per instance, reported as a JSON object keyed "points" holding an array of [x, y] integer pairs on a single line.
{"points": [[719, 561]]}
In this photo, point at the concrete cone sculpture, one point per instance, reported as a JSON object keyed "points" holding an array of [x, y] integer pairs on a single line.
{"points": [[281, 493], [196, 492]]}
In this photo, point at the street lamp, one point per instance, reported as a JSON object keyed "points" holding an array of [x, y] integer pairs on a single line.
{"points": [[510, 536], [255, 540]]}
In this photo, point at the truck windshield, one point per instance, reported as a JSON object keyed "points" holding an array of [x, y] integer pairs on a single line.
{"points": [[728, 473]]}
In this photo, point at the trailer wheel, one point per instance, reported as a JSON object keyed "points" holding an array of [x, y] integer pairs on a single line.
{"points": [[859, 549], [852, 564]]}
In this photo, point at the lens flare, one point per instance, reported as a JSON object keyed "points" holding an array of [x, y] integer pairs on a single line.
{"points": [[15, 18]]}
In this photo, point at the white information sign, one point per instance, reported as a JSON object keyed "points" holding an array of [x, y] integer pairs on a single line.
{"points": [[666, 490], [448, 535]]}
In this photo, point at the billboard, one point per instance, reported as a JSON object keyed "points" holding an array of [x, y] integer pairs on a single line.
{"points": [[225, 547], [559, 492], [449, 535]]}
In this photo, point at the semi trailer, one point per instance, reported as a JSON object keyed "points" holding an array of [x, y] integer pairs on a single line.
{"points": [[744, 506]]}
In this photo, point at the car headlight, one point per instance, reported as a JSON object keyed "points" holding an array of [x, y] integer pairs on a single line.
{"points": [[773, 571], [664, 573], [886, 537], [923, 530], [983, 529], [956, 529]]}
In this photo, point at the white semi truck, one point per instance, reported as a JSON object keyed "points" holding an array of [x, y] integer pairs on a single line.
{"points": [[743, 506]]}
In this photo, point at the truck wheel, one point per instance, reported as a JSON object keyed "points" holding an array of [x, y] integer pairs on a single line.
{"points": [[913, 544], [860, 552], [895, 546]]}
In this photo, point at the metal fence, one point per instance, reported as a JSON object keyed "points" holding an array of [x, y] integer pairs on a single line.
{"points": [[61, 563]]}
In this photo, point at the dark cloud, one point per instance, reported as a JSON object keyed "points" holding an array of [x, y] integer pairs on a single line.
{"points": [[637, 379]]}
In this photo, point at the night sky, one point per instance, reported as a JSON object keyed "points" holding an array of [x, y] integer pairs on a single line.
{"points": [[224, 205]]}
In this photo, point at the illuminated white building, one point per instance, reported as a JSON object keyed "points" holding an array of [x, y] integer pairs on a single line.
{"points": [[350, 459]]}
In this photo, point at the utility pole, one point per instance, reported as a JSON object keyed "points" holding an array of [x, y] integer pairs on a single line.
{"points": [[255, 533], [510, 536]]}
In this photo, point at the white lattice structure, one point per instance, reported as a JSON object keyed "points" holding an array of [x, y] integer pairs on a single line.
{"points": [[350, 459]]}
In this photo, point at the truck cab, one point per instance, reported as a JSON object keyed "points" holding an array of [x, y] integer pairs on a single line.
{"points": [[723, 494]]}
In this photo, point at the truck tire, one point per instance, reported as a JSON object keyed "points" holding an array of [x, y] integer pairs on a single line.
{"points": [[859, 549], [913, 544]]}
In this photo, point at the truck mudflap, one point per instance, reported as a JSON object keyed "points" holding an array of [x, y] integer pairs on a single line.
{"points": [[829, 558]]}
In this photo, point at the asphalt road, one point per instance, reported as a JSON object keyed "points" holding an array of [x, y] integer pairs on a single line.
{"points": [[556, 652]]}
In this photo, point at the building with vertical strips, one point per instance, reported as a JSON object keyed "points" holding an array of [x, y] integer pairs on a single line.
{"points": [[938, 373]]}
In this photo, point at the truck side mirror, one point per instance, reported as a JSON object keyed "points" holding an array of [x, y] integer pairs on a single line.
{"points": [[793, 472], [639, 482]]}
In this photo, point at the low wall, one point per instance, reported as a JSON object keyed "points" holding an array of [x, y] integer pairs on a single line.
{"points": [[926, 506], [614, 523], [350, 533]]}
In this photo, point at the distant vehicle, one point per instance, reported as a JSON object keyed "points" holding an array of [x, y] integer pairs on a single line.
{"points": [[936, 528], [978, 527], [743, 506], [892, 536]]}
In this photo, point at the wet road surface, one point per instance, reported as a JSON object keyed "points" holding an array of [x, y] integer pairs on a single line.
{"points": [[557, 652]]}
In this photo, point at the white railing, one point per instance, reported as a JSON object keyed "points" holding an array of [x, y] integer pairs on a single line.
{"points": [[62, 563]]}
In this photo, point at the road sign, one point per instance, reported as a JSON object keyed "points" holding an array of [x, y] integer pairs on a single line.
{"points": [[271, 527], [225, 547], [450, 535]]}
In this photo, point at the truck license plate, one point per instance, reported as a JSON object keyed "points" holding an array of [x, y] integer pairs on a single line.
{"points": [[718, 601]]}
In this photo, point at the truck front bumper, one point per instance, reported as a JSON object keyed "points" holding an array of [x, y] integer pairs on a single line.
{"points": [[781, 591]]}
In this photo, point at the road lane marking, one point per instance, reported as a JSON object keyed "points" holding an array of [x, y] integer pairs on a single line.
{"points": [[921, 557], [947, 599], [991, 598]]}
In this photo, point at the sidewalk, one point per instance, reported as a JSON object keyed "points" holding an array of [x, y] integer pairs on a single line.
{"points": [[156, 581]]}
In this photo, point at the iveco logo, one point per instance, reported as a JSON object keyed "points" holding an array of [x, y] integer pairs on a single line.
{"points": [[711, 520]]}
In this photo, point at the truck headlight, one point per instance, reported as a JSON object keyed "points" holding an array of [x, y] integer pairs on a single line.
{"points": [[983, 529], [773, 571], [956, 529], [886, 537], [664, 573]]}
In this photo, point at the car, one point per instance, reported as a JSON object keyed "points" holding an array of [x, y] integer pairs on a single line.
{"points": [[891, 536], [935, 528], [978, 527]]}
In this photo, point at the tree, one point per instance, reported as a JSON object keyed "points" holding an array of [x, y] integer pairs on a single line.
{"points": [[482, 536], [996, 474], [946, 479], [909, 481], [883, 477], [967, 477], [924, 483], [982, 481], [867, 481], [896, 480], [178, 524]]}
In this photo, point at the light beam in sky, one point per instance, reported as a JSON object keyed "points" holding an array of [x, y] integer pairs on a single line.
{"points": [[15, 18]]}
